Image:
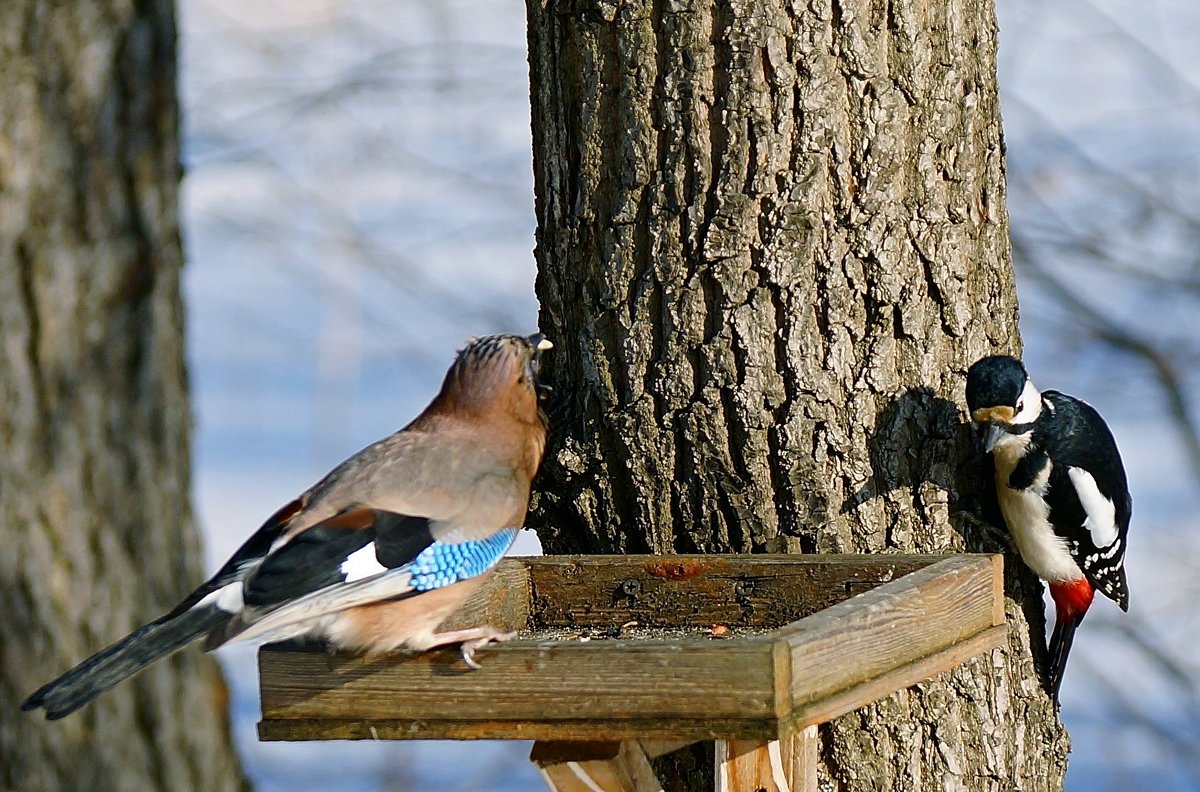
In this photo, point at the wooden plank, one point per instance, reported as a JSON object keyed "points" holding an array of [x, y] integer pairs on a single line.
{"points": [[891, 626], [750, 766], [925, 668], [657, 748], [501, 601], [528, 681], [548, 752], [663, 730], [583, 729], [627, 769], [788, 764], [801, 753], [672, 691], [998, 615], [761, 591]]}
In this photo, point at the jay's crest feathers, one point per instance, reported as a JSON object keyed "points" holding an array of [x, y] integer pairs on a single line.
{"points": [[383, 549], [493, 376]]}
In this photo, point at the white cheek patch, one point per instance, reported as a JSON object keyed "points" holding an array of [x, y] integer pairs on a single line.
{"points": [[1101, 513], [1031, 404], [362, 563], [1013, 445]]}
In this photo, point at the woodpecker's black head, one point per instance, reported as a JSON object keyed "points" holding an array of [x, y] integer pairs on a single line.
{"points": [[1001, 399], [995, 381]]}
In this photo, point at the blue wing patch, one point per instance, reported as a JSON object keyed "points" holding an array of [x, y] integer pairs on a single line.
{"points": [[443, 564]]}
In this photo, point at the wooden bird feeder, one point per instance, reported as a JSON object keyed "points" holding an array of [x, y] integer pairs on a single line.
{"points": [[624, 658]]}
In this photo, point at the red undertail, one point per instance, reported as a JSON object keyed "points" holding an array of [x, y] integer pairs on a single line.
{"points": [[1072, 598]]}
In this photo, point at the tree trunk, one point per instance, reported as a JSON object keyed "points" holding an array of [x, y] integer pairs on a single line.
{"points": [[96, 525], [771, 239]]}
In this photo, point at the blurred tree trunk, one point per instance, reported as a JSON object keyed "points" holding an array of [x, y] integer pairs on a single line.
{"points": [[96, 525], [771, 239]]}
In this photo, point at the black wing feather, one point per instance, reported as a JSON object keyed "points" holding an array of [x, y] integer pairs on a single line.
{"points": [[1086, 442], [400, 538], [252, 550], [313, 559], [308, 562], [1077, 436]]}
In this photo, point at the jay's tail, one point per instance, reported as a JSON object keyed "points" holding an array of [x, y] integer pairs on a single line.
{"points": [[126, 657]]}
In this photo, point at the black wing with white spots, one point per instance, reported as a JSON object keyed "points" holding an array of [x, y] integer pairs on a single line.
{"points": [[1090, 505], [317, 558]]}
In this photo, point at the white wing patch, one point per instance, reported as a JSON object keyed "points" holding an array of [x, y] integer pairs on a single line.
{"points": [[1101, 513], [228, 598], [362, 563]]}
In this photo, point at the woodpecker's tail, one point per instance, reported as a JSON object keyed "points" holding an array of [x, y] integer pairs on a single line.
{"points": [[1060, 647], [1072, 599], [123, 659]]}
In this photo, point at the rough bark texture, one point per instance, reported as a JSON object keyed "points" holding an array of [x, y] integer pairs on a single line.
{"points": [[94, 516], [771, 239]]}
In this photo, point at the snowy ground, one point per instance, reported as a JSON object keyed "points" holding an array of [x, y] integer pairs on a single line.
{"points": [[359, 200]]}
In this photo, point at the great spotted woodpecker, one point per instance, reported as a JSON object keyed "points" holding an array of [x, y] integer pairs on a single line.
{"points": [[1061, 488]]}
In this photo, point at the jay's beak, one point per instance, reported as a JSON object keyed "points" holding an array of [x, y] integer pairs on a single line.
{"points": [[540, 344]]}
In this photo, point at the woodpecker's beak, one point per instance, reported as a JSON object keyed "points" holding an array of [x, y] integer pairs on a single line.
{"points": [[993, 434]]}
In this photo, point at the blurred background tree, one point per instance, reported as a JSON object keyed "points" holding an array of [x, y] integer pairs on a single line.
{"points": [[95, 494], [1101, 103]]}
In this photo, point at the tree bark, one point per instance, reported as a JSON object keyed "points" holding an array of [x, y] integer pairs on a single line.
{"points": [[96, 523], [771, 239]]}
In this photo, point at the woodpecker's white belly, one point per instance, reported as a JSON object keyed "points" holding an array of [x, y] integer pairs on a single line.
{"points": [[1028, 516]]}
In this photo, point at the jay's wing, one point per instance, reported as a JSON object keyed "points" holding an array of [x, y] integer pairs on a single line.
{"points": [[466, 483], [356, 558], [342, 549]]}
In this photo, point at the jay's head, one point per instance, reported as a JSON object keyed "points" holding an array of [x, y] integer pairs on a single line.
{"points": [[497, 374], [1002, 400]]}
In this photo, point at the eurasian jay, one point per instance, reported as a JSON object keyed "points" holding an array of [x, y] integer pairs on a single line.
{"points": [[383, 549]]}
